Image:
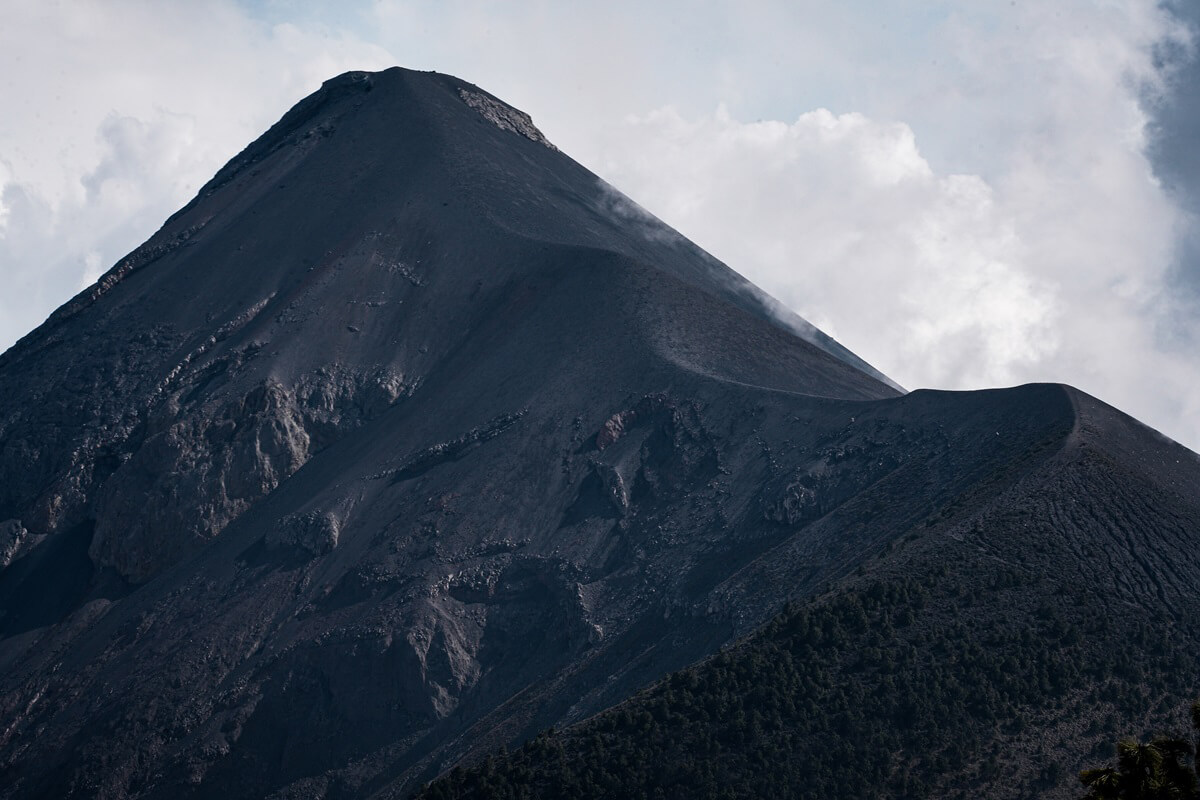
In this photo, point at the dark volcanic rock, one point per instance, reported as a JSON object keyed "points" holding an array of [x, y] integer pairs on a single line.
{"points": [[314, 531], [12, 538], [399, 443]]}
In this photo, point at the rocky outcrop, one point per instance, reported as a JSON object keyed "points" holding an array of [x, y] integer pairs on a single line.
{"points": [[12, 536], [185, 483], [429, 457], [314, 531], [504, 116], [624, 420], [798, 503]]}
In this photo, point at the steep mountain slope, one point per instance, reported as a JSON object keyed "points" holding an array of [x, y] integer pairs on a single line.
{"points": [[994, 651], [379, 237], [409, 437]]}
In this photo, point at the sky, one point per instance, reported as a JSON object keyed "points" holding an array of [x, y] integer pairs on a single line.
{"points": [[966, 194]]}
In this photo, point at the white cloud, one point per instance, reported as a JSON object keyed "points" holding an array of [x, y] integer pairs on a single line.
{"points": [[842, 219], [5, 177]]}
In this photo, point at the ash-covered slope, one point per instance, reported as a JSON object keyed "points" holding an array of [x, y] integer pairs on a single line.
{"points": [[409, 437]]}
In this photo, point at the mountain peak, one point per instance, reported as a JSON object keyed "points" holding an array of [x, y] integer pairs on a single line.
{"points": [[383, 169], [394, 230]]}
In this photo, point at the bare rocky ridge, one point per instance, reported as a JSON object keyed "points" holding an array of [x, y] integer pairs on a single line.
{"points": [[397, 444], [504, 116]]}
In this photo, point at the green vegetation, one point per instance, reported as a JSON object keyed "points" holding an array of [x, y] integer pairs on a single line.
{"points": [[1154, 770], [899, 688]]}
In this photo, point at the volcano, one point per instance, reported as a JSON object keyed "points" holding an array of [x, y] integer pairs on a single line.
{"points": [[409, 438]]}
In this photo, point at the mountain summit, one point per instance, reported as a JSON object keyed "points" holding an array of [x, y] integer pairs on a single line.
{"points": [[393, 231], [409, 437]]}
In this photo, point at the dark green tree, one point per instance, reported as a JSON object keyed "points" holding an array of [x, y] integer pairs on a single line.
{"points": [[1154, 770], [1104, 783]]}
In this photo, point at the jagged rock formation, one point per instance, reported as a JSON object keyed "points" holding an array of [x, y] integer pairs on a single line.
{"points": [[408, 438]]}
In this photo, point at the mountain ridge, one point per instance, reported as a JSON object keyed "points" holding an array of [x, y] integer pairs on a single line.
{"points": [[407, 437]]}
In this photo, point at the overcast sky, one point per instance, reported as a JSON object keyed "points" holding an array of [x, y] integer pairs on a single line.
{"points": [[967, 194]]}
